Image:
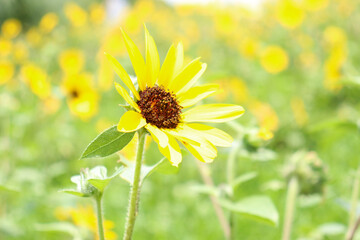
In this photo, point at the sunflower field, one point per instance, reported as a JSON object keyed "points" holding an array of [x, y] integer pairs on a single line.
{"points": [[154, 119]]}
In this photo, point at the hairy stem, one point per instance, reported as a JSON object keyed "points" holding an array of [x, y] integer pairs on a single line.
{"points": [[292, 192], [204, 172], [99, 217], [135, 189]]}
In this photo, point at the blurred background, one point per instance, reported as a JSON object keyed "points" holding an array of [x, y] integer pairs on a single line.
{"points": [[292, 64]]}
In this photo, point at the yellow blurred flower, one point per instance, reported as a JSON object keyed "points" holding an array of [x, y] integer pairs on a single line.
{"points": [[5, 47], [84, 216], [34, 37], [7, 70], [274, 59], [48, 22], [265, 134], [71, 61], [20, 52], [248, 47], [315, 5], [37, 80], [11, 28], [225, 22], [75, 14], [233, 88], [265, 115], [97, 13], [82, 97], [289, 13], [334, 36], [308, 59], [105, 74], [299, 111], [51, 105]]}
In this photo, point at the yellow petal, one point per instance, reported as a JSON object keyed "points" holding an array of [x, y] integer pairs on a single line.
{"points": [[152, 60], [179, 58], [196, 94], [185, 134], [126, 96], [213, 113], [188, 77], [130, 122], [167, 69], [159, 136], [136, 58], [166, 144], [122, 74], [213, 135], [206, 152]]}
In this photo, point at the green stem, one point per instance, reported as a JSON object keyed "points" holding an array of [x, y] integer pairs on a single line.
{"points": [[99, 217], [135, 189], [354, 201], [292, 192], [230, 173]]}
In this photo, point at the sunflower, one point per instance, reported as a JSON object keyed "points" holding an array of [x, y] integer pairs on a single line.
{"points": [[160, 103]]}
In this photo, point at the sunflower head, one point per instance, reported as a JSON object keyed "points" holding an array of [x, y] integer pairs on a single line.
{"points": [[159, 107], [160, 101]]}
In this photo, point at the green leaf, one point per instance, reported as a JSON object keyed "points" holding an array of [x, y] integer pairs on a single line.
{"points": [[101, 184], [73, 192], [108, 142], [244, 178], [146, 171], [261, 208], [7, 189], [60, 227], [331, 229]]}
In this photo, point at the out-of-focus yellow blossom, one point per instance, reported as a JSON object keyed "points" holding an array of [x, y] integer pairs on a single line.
{"points": [[105, 75], [289, 13], [274, 59], [233, 88], [334, 36], [346, 8], [265, 115], [33, 36], [333, 74], [336, 41], [97, 13], [82, 97], [315, 5], [20, 52], [308, 59], [5, 47], [299, 111], [37, 80], [51, 105], [75, 14], [248, 47], [71, 61], [265, 134], [84, 216], [7, 70], [11, 28], [103, 124], [129, 151], [113, 42], [140, 13], [48, 22], [225, 22]]}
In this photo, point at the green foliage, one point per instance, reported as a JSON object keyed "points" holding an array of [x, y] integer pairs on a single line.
{"points": [[108, 142], [260, 208]]}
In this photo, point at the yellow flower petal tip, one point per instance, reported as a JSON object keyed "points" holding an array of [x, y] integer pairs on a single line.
{"points": [[130, 122]]}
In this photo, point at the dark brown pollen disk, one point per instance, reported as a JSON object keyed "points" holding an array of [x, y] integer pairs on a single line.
{"points": [[159, 107]]}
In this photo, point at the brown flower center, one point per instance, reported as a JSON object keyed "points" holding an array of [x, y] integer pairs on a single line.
{"points": [[159, 107]]}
